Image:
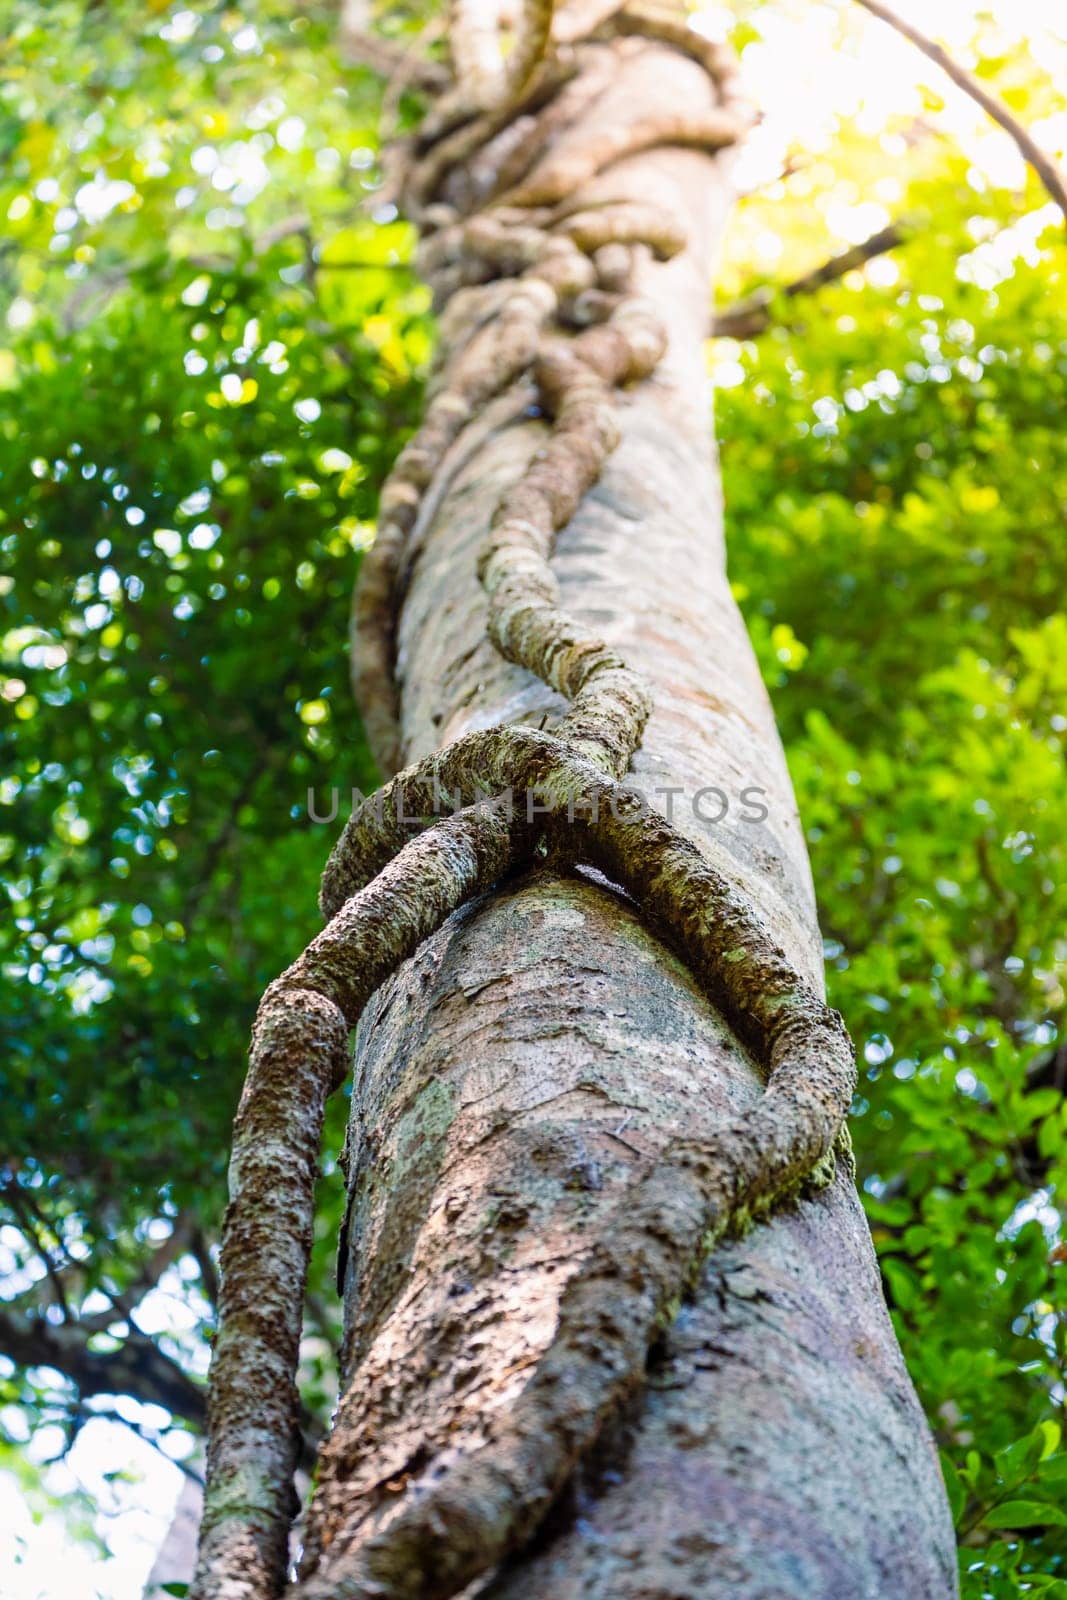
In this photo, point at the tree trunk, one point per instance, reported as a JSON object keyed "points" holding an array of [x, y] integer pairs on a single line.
{"points": [[526, 1065], [176, 1557]]}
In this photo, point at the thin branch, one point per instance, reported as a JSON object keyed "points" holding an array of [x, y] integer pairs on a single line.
{"points": [[137, 1368], [32, 1225], [360, 48], [96, 291], [152, 1436], [209, 1277], [300, 223], [1043, 164], [748, 318], [125, 1301], [365, 266], [405, 78]]}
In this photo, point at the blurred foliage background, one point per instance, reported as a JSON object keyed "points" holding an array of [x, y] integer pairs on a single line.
{"points": [[212, 348]]}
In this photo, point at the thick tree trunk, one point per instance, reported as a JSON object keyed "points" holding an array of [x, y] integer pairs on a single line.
{"points": [[525, 1066]]}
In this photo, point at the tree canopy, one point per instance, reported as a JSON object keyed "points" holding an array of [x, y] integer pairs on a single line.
{"points": [[214, 347]]}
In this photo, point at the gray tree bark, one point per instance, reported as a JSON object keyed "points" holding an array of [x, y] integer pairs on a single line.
{"points": [[530, 1061]]}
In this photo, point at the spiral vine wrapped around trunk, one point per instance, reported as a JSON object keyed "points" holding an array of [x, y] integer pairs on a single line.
{"points": [[510, 233]]}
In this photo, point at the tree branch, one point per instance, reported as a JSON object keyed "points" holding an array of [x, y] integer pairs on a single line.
{"points": [[365, 266], [67, 1282], [1043, 164], [32, 1225], [361, 48], [748, 318], [209, 1278], [137, 1368], [148, 1275]]}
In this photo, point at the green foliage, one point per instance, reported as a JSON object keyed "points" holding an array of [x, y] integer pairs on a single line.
{"points": [[211, 357], [895, 481]]}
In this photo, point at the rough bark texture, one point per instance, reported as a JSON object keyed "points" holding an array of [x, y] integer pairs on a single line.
{"points": [[530, 1062], [554, 1128], [299, 1054]]}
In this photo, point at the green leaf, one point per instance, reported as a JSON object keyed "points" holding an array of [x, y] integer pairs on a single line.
{"points": [[1025, 1514], [954, 1486], [1016, 1461], [1052, 1474]]}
